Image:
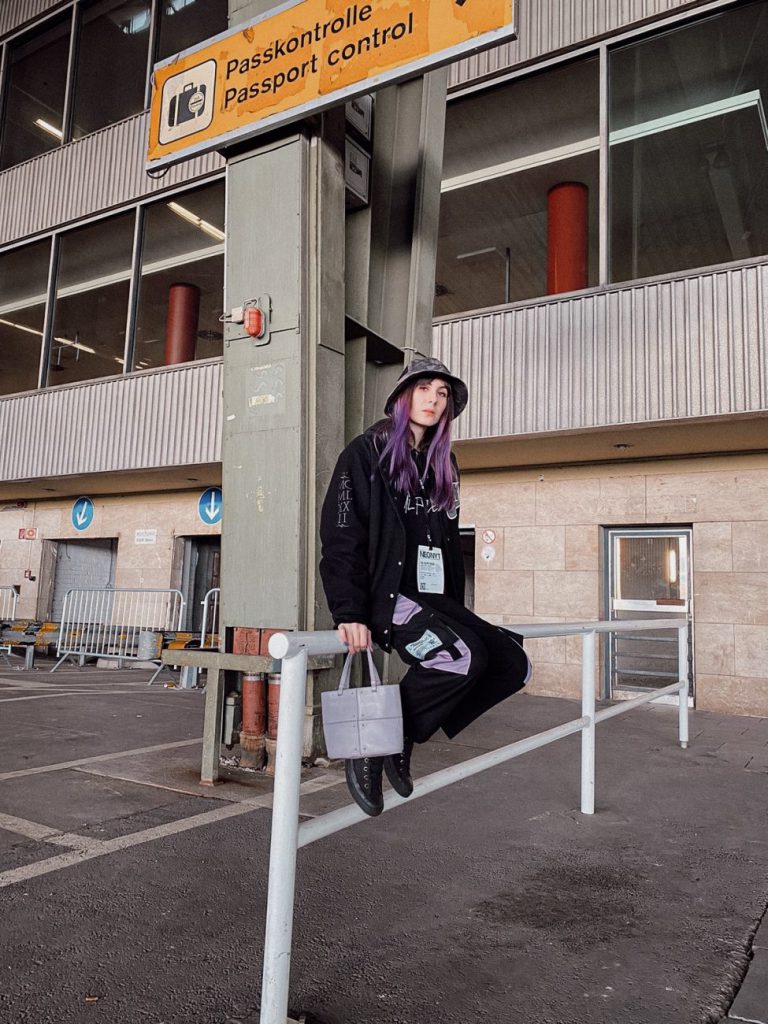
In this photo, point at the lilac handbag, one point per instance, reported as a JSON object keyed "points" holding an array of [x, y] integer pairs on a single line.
{"points": [[366, 721]]}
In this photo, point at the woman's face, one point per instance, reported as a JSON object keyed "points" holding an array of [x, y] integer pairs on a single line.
{"points": [[428, 402]]}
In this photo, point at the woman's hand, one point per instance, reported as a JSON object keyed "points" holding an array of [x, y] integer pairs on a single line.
{"points": [[355, 635]]}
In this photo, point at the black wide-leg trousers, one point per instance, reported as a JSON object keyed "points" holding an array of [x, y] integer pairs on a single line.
{"points": [[460, 666]]}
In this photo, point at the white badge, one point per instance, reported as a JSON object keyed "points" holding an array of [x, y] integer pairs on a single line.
{"points": [[429, 573]]}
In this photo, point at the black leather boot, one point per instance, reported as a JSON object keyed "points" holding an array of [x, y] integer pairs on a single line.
{"points": [[363, 776], [398, 769]]}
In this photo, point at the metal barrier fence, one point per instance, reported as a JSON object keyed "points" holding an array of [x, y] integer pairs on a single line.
{"points": [[9, 598], [120, 624], [287, 835], [210, 619]]}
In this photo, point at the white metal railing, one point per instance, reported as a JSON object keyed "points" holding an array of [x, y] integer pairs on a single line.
{"points": [[287, 835], [210, 617], [9, 598], [108, 623]]}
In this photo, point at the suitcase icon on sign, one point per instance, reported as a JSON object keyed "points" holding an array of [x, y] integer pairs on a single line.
{"points": [[186, 105]]}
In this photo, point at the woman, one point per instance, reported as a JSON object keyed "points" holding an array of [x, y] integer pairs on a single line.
{"points": [[393, 573]]}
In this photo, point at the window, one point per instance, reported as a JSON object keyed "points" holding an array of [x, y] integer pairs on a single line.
{"points": [[183, 245], [186, 22], [92, 300], [689, 146], [111, 65], [23, 288], [108, 77], [35, 88], [504, 150]]}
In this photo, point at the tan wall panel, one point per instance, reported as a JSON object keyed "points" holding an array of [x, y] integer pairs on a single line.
{"points": [[730, 559], [138, 565], [732, 695], [713, 547], [534, 547]]}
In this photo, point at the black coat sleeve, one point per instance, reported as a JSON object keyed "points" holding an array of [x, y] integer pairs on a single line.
{"points": [[344, 520]]}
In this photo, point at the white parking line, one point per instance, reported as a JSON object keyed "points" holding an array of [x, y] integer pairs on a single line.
{"points": [[80, 693], [172, 828], [62, 765], [45, 834]]}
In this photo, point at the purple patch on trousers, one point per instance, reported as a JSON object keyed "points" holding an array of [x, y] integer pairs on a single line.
{"points": [[405, 609], [445, 662]]}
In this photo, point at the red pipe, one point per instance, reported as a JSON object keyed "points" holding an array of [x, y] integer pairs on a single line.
{"points": [[254, 721], [273, 708], [567, 237], [182, 323]]}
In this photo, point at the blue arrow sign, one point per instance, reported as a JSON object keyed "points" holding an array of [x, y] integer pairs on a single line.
{"points": [[209, 506], [82, 514]]}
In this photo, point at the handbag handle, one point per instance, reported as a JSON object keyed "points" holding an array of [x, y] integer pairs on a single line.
{"points": [[347, 671]]}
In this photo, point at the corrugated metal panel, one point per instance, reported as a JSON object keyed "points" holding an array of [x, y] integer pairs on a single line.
{"points": [[169, 417], [686, 348], [546, 26], [14, 13], [85, 177]]}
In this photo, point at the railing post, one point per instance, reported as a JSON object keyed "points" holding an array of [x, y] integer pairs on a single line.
{"points": [[284, 843], [588, 649], [682, 670]]}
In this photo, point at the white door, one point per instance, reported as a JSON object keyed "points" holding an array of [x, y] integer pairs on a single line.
{"points": [[649, 577]]}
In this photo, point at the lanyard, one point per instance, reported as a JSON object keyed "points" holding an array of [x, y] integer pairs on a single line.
{"points": [[427, 507]]}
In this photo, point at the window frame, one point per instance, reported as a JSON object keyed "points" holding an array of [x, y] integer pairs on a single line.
{"points": [[75, 9], [602, 51], [139, 210]]}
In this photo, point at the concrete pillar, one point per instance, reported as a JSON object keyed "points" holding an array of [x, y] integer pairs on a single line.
{"points": [[182, 323], [346, 310], [567, 237]]}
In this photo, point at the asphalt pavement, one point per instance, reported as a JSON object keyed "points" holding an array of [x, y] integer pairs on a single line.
{"points": [[130, 894]]}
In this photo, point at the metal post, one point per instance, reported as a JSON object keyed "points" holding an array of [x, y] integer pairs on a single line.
{"points": [[284, 844], [682, 667], [588, 734]]}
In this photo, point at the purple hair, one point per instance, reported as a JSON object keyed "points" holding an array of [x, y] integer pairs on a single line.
{"points": [[396, 459]]}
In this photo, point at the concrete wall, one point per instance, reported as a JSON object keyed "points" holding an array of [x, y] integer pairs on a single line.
{"points": [[138, 565], [547, 565]]}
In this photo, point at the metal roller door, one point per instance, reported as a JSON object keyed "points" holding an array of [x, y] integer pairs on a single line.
{"points": [[82, 563]]}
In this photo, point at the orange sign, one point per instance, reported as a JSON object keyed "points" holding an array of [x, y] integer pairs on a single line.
{"points": [[303, 57]]}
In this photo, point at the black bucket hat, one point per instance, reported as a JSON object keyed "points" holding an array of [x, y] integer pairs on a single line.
{"points": [[429, 368]]}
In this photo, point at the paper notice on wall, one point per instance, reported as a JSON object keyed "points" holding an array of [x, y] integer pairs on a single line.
{"points": [[145, 537]]}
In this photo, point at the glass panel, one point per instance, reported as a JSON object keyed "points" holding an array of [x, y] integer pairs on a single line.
{"points": [[183, 244], [504, 150], [36, 84], [649, 569], [689, 146], [206, 275], [186, 22], [187, 224], [111, 64], [92, 300], [23, 286]]}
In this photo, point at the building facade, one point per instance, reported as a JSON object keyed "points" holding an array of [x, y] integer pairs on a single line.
{"points": [[614, 451]]}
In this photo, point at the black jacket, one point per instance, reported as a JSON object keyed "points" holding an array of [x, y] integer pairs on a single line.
{"points": [[363, 542]]}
